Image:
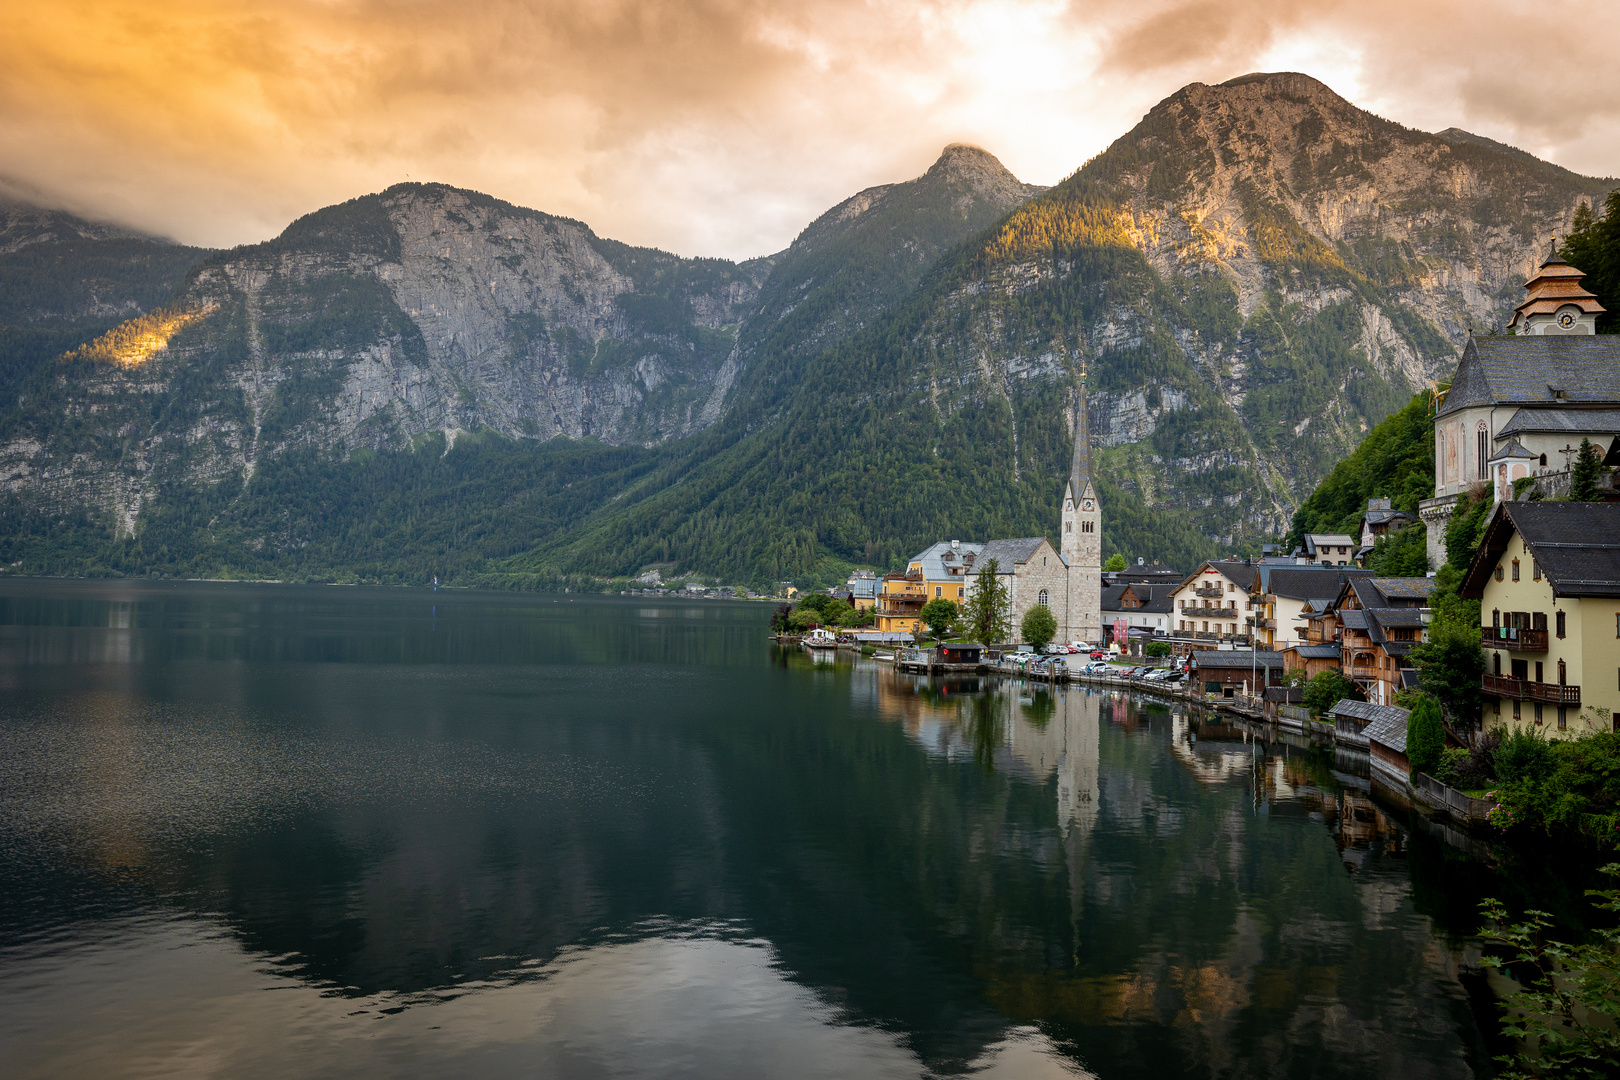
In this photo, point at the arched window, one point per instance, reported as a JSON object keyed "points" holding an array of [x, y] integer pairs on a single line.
{"points": [[1544, 459], [1482, 448], [1043, 599]]}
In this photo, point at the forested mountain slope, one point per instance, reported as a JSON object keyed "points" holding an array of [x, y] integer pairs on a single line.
{"points": [[64, 280], [1254, 276], [288, 412]]}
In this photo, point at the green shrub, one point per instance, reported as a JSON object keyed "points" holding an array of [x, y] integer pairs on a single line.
{"points": [[1157, 649]]}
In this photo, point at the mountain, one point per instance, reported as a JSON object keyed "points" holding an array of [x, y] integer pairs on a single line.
{"points": [[427, 354], [64, 280], [1253, 277]]}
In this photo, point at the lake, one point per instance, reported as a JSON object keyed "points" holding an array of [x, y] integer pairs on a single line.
{"points": [[254, 830]]}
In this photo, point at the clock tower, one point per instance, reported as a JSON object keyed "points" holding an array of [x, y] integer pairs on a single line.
{"points": [[1082, 536]]}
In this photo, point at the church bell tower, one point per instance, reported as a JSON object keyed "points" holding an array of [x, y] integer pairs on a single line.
{"points": [[1082, 535]]}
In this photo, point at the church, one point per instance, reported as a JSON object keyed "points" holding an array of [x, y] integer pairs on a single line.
{"points": [[1067, 579], [1521, 402]]}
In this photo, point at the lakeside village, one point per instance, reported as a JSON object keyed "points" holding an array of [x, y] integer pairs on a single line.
{"points": [[1488, 667]]}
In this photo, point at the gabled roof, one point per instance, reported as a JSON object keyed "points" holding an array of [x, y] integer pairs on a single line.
{"points": [[934, 564], [1562, 421], [1513, 451], [1010, 553], [1155, 599], [1241, 573], [1307, 582], [1532, 370], [1353, 618], [1576, 543]]}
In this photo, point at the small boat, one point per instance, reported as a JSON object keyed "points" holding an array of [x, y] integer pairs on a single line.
{"points": [[820, 639], [884, 657]]}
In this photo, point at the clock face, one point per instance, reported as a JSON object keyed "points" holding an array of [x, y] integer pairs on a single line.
{"points": [[1566, 320], [1086, 505]]}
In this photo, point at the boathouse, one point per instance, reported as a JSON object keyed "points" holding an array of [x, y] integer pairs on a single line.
{"points": [[1386, 743]]}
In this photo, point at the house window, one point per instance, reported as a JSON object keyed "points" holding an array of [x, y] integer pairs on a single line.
{"points": [[1563, 720], [1499, 577], [1482, 442], [1561, 673], [1516, 711], [1206, 628], [1515, 569], [1535, 570], [1042, 599], [960, 590], [1543, 459], [938, 592], [1538, 712], [1538, 672], [1560, 621]]}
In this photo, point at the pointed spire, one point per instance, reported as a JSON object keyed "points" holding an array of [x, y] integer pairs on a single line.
{"points": [[1080, 472]]}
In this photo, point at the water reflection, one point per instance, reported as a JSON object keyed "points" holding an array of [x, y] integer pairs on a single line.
{"points": [[542, 835]]}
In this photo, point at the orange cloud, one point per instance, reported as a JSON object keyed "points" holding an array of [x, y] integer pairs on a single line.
{"points": [[704, 126]]}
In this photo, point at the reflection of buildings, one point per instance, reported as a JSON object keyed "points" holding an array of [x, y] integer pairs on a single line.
{"points": [[1036, 735]]}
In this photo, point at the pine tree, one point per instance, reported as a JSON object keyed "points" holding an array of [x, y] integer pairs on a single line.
{"points": [[1584, 473], [1425, 737], [985, 615]]}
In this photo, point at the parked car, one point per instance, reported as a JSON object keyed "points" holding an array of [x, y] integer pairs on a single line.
{"points": [[1099, 654]]}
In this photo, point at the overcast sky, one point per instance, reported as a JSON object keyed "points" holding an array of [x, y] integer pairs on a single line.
{"points": [[712, 127]]}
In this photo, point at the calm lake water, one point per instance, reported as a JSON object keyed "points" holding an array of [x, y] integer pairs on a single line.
{"points": [[271, 831]]}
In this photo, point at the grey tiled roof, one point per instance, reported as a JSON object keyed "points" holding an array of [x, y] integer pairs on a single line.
{"points": [[1354, 618], [1155, 598], [1576, 543], [933, 561], [1388, 727], [1241, 573], [1572, 421], [1307, 582], [1520, 370], [1367, 712], [1326, 651], [1236, 658], [1403, 588], [1009, 553]]}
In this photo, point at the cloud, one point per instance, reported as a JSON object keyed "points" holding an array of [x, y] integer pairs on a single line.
{"points": [[706, 126]]}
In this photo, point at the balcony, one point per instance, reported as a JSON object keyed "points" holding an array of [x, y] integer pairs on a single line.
{"points": [[1210, 591], [1513, 637], [1525, 690], [1210, 613]]}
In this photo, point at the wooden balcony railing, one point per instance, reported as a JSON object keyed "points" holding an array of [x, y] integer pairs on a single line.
{"points": [[1513, 637], [1525, 690], [1208, 590]]}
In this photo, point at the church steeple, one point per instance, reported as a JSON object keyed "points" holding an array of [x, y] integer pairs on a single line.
{"points": [[1080, 470], [1081, 544]]}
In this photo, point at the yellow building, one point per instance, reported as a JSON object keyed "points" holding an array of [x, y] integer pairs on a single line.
{"points": [[938, 573], [1548, 580]]}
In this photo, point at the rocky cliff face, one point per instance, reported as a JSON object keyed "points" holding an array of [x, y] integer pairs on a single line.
{"points": [[368, 325], [1254, 275], [425, 310]]}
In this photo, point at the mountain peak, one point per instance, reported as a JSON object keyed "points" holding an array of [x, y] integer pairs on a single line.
{"points": [[979, 171], [1285, 82]]}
